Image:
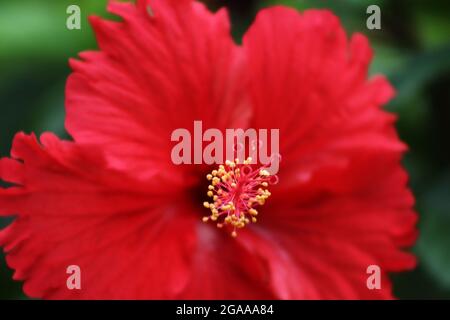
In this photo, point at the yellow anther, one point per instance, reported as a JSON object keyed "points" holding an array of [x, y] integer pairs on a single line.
{"points": [[264, 173]]}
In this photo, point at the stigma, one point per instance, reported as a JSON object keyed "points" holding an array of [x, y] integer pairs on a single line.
{"points": [[237, 189]]}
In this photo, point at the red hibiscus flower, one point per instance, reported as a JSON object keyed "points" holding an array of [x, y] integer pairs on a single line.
{"points": [[112, 202]]}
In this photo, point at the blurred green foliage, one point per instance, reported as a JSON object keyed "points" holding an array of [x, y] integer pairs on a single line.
{"points": [[412, 49]]}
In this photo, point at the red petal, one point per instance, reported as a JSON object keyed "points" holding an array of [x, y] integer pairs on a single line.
{"points": [[342, 220], [310, 81], [72, 210], [342, 202], [156, 72]]}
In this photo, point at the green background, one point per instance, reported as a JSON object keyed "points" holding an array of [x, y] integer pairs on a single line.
{"points": [[412, 49]]}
